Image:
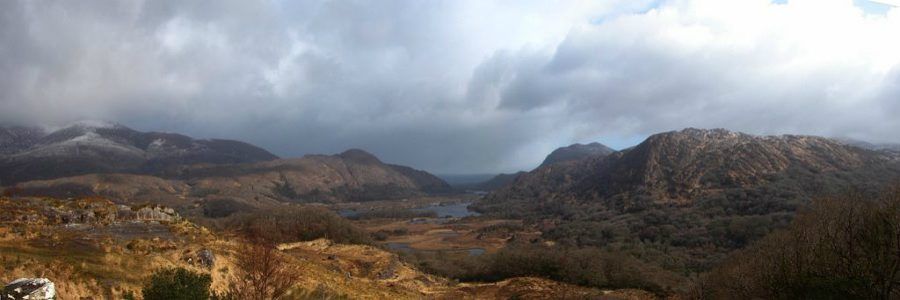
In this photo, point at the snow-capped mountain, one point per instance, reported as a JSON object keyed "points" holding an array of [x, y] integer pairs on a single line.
{"points": [[28, 153]]}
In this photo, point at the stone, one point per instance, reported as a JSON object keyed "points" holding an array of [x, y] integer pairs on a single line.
{"points": [[29, 288], [206, 258]]}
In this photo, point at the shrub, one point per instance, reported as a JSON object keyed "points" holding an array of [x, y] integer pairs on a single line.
{"points": [[297, 223], [581, 266], [395, 213], [262, 272], [176, 284]]}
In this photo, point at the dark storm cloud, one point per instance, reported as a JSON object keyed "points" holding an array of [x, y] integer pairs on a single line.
{"points": [[451, 86]]}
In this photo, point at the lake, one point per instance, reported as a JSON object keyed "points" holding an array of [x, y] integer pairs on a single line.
{"points": [[453, 210], [404, 247]]}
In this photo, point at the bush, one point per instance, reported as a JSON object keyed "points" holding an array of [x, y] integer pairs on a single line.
{"points": [[581, 266], [296, 223], [176, 284], [224, 207], [262, 272], [395, 213]]}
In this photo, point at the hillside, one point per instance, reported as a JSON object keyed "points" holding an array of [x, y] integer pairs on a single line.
{"points": [[100, 147], [93, 248], [353, 175], [680, 166], [684, 199]]}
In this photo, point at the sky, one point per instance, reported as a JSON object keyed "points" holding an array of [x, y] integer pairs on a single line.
{"points": [[454, 86]]}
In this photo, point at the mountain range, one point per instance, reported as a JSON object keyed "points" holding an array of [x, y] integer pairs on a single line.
{"points": [[671, 168], [93, 158]]}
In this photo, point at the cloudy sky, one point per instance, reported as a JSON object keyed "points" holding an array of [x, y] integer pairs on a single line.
{"points": [[455, 86]]}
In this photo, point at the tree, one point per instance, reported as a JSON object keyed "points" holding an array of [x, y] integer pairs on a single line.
{"points": [[177, 284], [845, 247], [262, 271]]}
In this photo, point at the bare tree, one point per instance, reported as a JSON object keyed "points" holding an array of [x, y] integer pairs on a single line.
{"points": [[262, 271]]}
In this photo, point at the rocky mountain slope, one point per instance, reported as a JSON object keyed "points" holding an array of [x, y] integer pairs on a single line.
{"points": [[99, 147], [681, 166]]}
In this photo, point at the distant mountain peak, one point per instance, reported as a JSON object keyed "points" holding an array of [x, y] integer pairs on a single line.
{"points": [[359, 156], [576, 152]]}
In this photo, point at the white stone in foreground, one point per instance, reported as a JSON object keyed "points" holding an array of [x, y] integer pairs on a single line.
{"points": [[29, 288]]}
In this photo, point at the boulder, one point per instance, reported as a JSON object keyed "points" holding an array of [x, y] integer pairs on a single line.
{"points": [[29, 288], [156, 213], [206, 258], [150, 213]]}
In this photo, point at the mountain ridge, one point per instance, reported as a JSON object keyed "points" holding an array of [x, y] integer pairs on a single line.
{"points": [[91, 147], [674, 166], [308, 179]]}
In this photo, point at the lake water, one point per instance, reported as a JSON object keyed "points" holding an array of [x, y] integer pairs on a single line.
{"points": [[348, 213], [453, 210], [404, 247]]}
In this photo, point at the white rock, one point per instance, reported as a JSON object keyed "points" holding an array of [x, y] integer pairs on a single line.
{"points": [[30, 288]]}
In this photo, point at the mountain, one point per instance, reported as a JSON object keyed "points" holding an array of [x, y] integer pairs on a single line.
{"points": [[890, 149], [353, 175], [14, 139], [424, 181], [100, 147], [576, 152], [683, 200], [678, 166]]}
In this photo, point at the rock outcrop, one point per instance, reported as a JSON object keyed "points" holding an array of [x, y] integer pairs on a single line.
{"points": [[91, 211], [30, 289]]}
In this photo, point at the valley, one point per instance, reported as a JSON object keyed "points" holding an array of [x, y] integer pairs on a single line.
{"points": [[483, 150], [640, 223], [88, 254], [432, 224]]}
